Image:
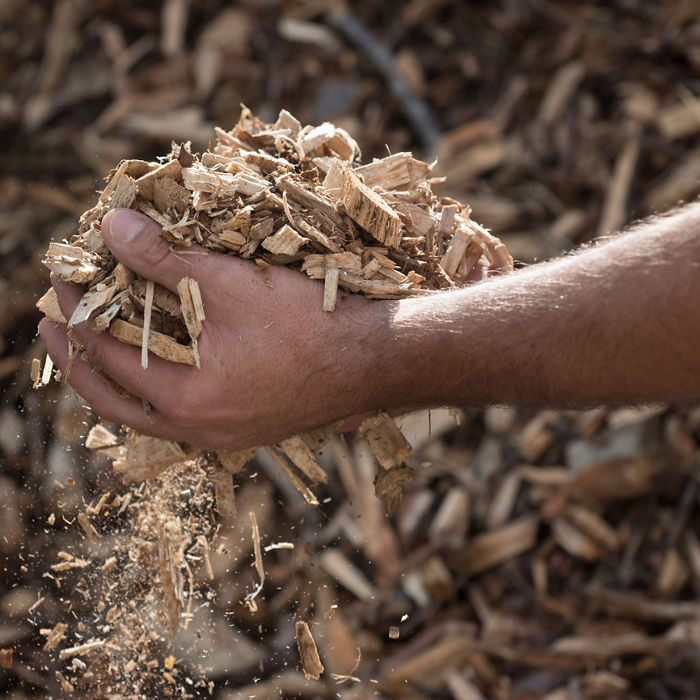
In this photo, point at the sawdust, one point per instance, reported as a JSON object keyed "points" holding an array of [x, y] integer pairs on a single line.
{"points": [[139, 579]]}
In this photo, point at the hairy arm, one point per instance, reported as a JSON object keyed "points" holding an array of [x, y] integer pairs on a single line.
{"points": [[615, 323]]}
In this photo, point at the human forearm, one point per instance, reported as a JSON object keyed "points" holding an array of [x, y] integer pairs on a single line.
{"points": [[615, 323]]}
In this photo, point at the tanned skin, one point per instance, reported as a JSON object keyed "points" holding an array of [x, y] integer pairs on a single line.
{"points": [[615, 323]]}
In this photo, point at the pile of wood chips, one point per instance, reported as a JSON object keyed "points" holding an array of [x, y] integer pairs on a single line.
{"points": [[280, 194]]}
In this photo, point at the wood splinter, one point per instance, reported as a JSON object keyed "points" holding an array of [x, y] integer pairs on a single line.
{"points": [[310, 661]]}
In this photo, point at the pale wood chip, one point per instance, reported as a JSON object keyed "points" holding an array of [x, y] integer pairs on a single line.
{"points": [[285, 241], [71, 263], [146, 183], [93, 300], [55, 636], [147, 310], [257, 554], [158, 343], [88, 527], [81, 649], [100, 437], [234, 460], [143, 457], [330, 289], [48, 305], [395, 172], [364, 206], [192, 311], [35, 372]]}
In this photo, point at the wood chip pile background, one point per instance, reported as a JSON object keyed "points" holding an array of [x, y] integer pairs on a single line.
{"points": [[535, 553]]}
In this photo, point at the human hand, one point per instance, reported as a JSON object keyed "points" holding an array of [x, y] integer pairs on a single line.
{"points": [[273, 363]]}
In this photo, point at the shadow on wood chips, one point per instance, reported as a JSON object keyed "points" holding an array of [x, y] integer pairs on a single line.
{"points": [[535, 554]]}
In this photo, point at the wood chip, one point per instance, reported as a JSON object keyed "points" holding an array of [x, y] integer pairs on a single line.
{"points": [[81, 649], [330, 289], [158, 343], [48, 305], [171, 579], [363, 205], [289, 472], [35, 372], [224, 492], [55, 636], [257, 554], [399, 171], [285, 241], [192, 311], [299, 453], [88, 527], [310, 660], [385, 440], [147, 308]]}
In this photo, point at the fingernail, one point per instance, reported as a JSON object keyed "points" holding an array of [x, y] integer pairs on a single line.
{"points": [[125, 225]]}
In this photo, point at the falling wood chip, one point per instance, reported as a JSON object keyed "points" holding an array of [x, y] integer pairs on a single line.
{"points": [[257, 554], [171, 579], [310, 660], [100, 437], [55, 636], [81, 649], [142, 457], [35, 372], [88, 527]]}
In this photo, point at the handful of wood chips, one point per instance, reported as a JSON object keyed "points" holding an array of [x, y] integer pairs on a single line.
{"points": [[278, 194]]}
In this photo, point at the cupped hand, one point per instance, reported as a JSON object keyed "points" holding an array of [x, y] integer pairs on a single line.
{"points": [[272, 362]]}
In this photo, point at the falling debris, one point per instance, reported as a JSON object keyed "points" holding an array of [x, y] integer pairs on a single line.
{"points": [[308, 653], [257, 553]]}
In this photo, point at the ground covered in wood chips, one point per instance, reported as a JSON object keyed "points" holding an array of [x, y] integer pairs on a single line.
{"points": [[535, 554]]}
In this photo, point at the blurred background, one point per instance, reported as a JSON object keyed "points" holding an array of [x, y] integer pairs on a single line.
{"points": [[558, 122]]}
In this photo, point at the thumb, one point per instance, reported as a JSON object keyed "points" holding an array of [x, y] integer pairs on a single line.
{"points": [[135, 240]]}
